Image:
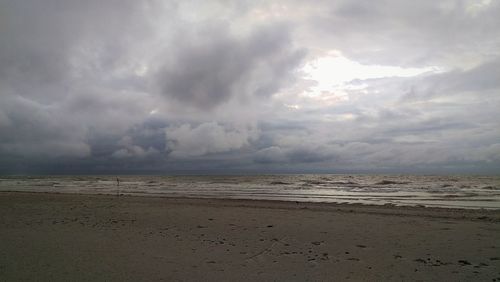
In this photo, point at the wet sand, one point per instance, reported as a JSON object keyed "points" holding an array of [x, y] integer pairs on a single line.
{"points": [[62, 237]]}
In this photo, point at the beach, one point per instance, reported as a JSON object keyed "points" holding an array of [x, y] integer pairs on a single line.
{"points": [[76, 237]]}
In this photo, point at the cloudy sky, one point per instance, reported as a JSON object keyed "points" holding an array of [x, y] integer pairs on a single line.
{"points": [[249, 86]]}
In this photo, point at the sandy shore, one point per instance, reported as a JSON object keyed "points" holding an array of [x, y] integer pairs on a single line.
{"points": [[61, 237]]}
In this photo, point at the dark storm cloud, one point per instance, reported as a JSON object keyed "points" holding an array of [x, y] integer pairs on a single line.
{"points": [[29, 129], [212, 66]]}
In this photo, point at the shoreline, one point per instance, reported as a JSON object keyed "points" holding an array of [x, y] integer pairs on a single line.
{"points": [[82, 237], [460, 192], [492, 215]]}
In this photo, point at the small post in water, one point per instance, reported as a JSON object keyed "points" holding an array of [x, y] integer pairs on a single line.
{"points": [[117, 186]]}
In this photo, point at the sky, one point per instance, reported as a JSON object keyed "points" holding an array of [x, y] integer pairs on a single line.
{"points": [[167, 87]]}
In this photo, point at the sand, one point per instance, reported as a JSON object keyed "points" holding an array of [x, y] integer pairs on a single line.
{"points": [[63, 237]]}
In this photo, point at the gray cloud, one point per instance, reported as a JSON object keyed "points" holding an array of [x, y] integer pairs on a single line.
{"points": [[60, 79], [30, 129], [394, 33], [169, 86], [478, 80], [212, 66]]}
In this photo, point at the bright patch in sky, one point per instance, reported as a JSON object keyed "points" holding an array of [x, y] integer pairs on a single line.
{"points": [[335, 71], [475, 7]]}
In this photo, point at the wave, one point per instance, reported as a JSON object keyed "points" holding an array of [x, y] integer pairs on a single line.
{"points": [[388, 182], [279, 183]]}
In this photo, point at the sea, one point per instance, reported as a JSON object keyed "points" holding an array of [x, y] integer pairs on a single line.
{"points": [[455, 191]]}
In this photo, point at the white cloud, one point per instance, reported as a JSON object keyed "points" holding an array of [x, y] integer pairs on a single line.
{"points": [[335, 69], [130, 150], [206, 138]]}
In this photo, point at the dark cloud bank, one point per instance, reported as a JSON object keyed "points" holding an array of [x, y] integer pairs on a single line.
{"points": [[197, 87]]}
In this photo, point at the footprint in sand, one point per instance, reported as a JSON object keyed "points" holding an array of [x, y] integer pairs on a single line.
{"points": [[464, 262]]}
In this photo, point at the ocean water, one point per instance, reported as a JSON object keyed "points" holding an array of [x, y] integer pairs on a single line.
{"points": [[407, 190]]}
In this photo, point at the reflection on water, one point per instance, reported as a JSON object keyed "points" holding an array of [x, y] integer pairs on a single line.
{"points": [[441, 191]]}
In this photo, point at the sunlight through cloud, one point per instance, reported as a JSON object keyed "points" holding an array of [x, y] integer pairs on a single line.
{"points": [[335, 71]]}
